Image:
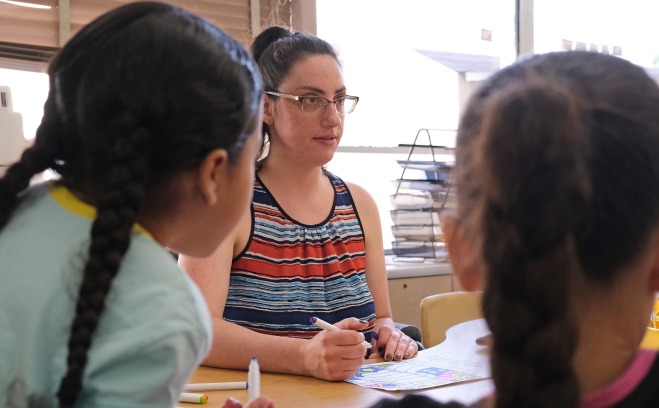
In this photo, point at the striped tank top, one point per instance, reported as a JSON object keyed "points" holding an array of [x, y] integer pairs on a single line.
{"points": [[289, 271]]}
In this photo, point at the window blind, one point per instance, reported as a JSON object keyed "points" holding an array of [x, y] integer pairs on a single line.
{"points": [[29, 37]]}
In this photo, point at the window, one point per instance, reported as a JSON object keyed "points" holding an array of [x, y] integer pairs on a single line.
{"points": [[29, 37], [29, 91], [620, 28], [413, 64]]}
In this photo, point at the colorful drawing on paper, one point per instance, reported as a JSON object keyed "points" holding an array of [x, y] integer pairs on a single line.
{"points": [[417, 373]]}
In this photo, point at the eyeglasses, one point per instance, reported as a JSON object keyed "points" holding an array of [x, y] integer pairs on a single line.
{"points": [[343, 104]]}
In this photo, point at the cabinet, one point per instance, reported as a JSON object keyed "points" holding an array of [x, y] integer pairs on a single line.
{"points": [[405, 295], [422, 191]]}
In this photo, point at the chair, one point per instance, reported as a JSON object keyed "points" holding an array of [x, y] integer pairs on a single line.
{"points": [[651, 339], [442, 311]]}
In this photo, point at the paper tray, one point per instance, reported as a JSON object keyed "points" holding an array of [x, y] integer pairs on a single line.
{"points": [[418, 233], [409, 201], [422, 185], [419, 249], [415, 217], [426, 165], [422, 200]]}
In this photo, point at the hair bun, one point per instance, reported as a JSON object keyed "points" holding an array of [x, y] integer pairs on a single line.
{"points": [[266, 37]]}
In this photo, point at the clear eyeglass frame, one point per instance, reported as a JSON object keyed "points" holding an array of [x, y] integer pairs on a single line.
{"points": [[312, 103]]}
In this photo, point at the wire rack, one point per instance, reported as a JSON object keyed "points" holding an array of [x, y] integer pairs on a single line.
{"points": [[423, 190]]}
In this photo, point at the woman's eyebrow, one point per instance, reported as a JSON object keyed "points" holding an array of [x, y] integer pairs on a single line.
{"points": [[318, 90]]}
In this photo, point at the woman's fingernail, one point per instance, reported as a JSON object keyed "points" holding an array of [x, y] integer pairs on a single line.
{"points": [[484, 340], [375, 335], [407, 354], [388, 357], [363, 321], [398, 356]]}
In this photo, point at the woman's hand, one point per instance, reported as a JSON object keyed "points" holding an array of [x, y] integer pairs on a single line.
{"points": [[259, 402], [336, 355], [392, 344]]}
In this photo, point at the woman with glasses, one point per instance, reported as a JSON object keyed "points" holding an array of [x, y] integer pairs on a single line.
{"points": [[312, 244]]}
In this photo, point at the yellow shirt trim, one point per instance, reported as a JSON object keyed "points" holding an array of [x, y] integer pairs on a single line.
{"points": [[66, 199]]}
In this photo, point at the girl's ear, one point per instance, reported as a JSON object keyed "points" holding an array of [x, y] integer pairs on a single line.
{"points": [[463, 260], [268, 109], [212, 174]]}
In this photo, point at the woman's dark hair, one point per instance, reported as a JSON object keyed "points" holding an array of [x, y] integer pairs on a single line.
{"points": [[557, 164], [277, 49], [139, 95]]}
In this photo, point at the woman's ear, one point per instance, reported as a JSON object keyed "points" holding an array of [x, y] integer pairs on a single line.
{"points": [[213, 172], [268, 109], [463, 260]]}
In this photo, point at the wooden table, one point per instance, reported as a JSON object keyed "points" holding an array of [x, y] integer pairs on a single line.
{"points": [[293, 391]]}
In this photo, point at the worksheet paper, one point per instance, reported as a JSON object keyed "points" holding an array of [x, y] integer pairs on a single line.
{"points": [[423, 371]]}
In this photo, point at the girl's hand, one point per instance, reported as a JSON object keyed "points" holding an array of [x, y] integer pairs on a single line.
{"points": [[393, 345]]}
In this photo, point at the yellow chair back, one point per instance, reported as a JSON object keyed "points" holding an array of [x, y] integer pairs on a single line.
{"points": [[442, 311], [651, 339]]}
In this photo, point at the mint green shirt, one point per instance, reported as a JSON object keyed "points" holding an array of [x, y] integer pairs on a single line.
{"points": [[154, 331]]}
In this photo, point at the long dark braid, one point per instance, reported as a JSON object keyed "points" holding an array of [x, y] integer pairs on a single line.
{"points": [[554, 157], [119, 176], [110, 238], [529, 220]]}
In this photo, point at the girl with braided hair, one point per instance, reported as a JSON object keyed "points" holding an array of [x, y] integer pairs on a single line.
{"points": [[557, 174], [152, 122]]}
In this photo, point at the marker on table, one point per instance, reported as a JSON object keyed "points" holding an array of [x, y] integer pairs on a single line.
{"points": [[253, 379], [193, 397], [237, 385], [318, 322]]}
